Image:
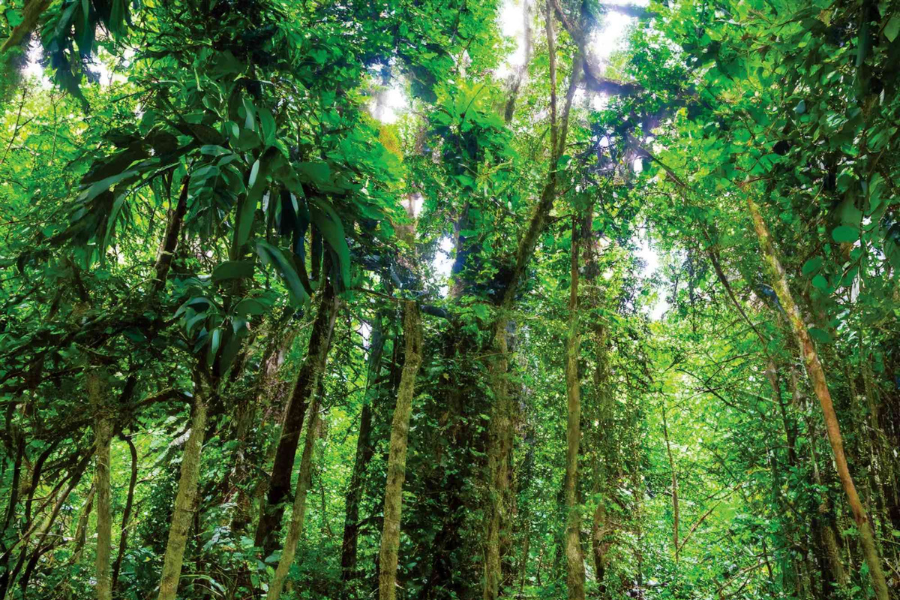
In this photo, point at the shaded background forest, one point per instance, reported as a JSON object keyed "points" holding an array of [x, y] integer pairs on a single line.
{"points": [[345, 299]]}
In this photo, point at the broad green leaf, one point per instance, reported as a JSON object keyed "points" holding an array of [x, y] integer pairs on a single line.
{"points": [[812, 265], [232, 269], [269, 254], [845, 234], [892, 28]]}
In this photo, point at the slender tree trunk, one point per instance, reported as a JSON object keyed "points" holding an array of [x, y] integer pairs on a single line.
{"points": [[778, 280], [41, 546], [365, 450], [81, 528], [298, 516], [675, 511], [393, 493], [304, 390], [169, 244], [126, 516], [97, 392], [186, 501], [574, 554]]}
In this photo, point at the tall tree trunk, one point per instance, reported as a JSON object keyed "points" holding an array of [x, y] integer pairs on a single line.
{"points": [[574, 555], [500, 429], [365, 450], [499, 448], [298, 516], [778, 280], [186, 501], [97, 391], [393, 493], [304, 390]]}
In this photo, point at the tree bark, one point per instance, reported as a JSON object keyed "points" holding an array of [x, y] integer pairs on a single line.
{"points": [[778, 280], [97, 391], [304, 390], [498, 451], [393, 493], [574, 554], [298, 516], [186, 501]]}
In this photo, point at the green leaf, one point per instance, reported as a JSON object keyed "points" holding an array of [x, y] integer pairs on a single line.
{"points": [[249, 307], [13, 17], [820, 282], [317, 172], [267, 122], [213, 150], [215, 342], [233, 269], [845, 234], [332, 230], [892, 28], [269, 254], [812, 265], [259, 181]]}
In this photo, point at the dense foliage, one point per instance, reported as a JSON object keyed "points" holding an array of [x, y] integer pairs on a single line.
{"points": [[257, 340]]}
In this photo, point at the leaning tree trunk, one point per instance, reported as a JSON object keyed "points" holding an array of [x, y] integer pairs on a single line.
{"points": [[185, 501], [304, 389], [778, 280], [97, 391], [393, 493], [574, 555], [298, 515]]}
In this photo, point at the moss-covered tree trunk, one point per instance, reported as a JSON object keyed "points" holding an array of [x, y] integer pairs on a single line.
{"points": [[393, 493], [103, 427], [298, 515], [498, 452], [186, 500], [574, 553], [779, 281]]}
